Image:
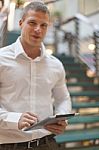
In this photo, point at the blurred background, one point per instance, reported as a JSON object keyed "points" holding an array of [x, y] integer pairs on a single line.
{"points": [[73, 37]]}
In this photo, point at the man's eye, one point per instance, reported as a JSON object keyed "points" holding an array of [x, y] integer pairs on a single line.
{"points": [[44, 26], [32, 23]]}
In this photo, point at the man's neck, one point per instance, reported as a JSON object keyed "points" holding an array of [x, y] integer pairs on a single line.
{"points": [[31, 51]]}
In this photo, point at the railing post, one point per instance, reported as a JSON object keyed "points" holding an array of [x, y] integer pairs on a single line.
{"points": [[3, 29], [56, 29], [96, 40], [77, 39]]}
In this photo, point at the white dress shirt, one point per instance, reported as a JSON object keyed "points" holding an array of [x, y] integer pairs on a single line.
{"points": [[29, 85]]}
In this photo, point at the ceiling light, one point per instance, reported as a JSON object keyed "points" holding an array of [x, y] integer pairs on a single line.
{"points": [[91, 47]]}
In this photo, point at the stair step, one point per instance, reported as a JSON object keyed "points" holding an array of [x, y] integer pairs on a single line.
{"points": [[76, 68], [77, 75], [78, 135], [84, 119], [86, 84], [85, 93], [77, 105], [90, 147], [64, 57], [70, 63]]}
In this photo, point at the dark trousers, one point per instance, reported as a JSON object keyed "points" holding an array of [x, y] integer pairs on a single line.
{"points": [[45, 143]]}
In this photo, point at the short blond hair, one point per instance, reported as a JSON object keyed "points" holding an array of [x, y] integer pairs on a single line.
{"points": [[37, 5]]}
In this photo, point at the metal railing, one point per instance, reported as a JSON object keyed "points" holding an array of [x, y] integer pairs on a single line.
{"points": [[3, 29], [81, 35]]}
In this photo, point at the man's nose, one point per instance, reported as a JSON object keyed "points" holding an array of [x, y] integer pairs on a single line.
{"points": [[38, 28]]}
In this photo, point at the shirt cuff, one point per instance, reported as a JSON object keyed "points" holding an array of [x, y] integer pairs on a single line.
{"points": [[12, 120]]}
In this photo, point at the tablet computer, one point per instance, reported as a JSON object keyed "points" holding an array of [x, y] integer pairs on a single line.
{"points": [[50, 120]]}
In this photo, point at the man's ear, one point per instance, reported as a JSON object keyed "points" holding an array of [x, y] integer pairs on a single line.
{"points": [[20, 23]]}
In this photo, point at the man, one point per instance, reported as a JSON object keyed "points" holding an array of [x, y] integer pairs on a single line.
{"points": [[31, 84]]}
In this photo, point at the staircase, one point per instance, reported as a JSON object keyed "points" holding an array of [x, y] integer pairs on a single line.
{"points": [[85, 100], [79, 84]]}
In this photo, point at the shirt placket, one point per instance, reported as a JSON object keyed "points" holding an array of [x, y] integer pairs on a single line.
{"points": [[33, 86]]}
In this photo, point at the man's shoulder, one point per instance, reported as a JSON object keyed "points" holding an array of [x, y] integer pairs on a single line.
{"points": [[54, 59], [55, 63]]}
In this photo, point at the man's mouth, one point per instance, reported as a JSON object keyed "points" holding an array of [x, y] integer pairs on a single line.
{"points": [[36, 37]]}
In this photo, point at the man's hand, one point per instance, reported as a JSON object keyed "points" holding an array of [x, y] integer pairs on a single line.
{"points": [[57, 128], [26, 120]]}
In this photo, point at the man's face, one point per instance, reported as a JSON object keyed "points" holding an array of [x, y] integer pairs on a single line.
{"points": [[34, 27]]}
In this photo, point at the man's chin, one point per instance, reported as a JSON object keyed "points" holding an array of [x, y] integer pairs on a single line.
{"points": [[36, 45]]}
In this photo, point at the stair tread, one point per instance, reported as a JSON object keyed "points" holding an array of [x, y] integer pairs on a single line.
{"points": [[84, 119], [88, 104], [78, 135], [82, 84], [85, 93]]}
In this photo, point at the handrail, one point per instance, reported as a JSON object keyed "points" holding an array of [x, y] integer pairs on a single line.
{"points": [[67, 20], [78, 18], [82, 18], [51, 1], [86, 20]]}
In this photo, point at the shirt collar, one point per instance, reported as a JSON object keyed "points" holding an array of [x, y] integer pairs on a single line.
{"points": [[20, 51]]}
